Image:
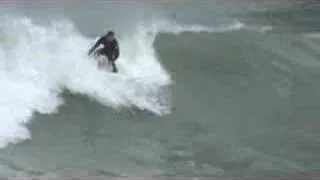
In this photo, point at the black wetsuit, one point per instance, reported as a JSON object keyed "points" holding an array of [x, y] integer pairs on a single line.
{"points": [[110, 50]]}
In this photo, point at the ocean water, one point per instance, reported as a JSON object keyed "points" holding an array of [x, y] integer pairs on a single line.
{"points": [[205, 89]]}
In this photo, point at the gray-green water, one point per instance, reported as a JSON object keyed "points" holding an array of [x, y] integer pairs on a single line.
{"points": [[243, 96]]}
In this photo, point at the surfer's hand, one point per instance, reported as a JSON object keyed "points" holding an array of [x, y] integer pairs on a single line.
{"points": [[90, 52]]}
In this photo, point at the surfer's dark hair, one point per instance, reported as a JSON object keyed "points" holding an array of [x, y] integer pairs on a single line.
{"points": [[110, 33]]}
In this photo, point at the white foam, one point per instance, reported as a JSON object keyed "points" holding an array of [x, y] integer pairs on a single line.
{"points": [[37, 62]]}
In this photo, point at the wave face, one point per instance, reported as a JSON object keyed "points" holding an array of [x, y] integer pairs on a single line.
{"points": [[39, 61]]}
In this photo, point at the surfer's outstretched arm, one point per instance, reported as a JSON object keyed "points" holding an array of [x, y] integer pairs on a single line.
{"points": [[95, 46]]}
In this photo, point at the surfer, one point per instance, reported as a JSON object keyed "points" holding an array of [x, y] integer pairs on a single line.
{"points": [[110, 49]]}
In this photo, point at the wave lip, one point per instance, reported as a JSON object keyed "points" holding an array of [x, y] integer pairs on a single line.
{"points": [[39, 62], [172, 27]]}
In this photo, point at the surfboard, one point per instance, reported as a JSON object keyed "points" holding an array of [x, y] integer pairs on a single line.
{"points": [[103, 64]]}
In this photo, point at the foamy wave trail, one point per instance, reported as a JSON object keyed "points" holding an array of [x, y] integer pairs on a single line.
{"points": [[38, 62]]}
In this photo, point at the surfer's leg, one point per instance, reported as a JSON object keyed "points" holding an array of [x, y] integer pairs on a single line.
{"points": [[114, 67], [112, 62]]}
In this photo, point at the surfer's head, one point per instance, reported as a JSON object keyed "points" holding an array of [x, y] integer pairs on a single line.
{"points": [[110, 35]]}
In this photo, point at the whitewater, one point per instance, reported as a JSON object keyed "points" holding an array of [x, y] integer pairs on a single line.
{"points": [[38, 63]]}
